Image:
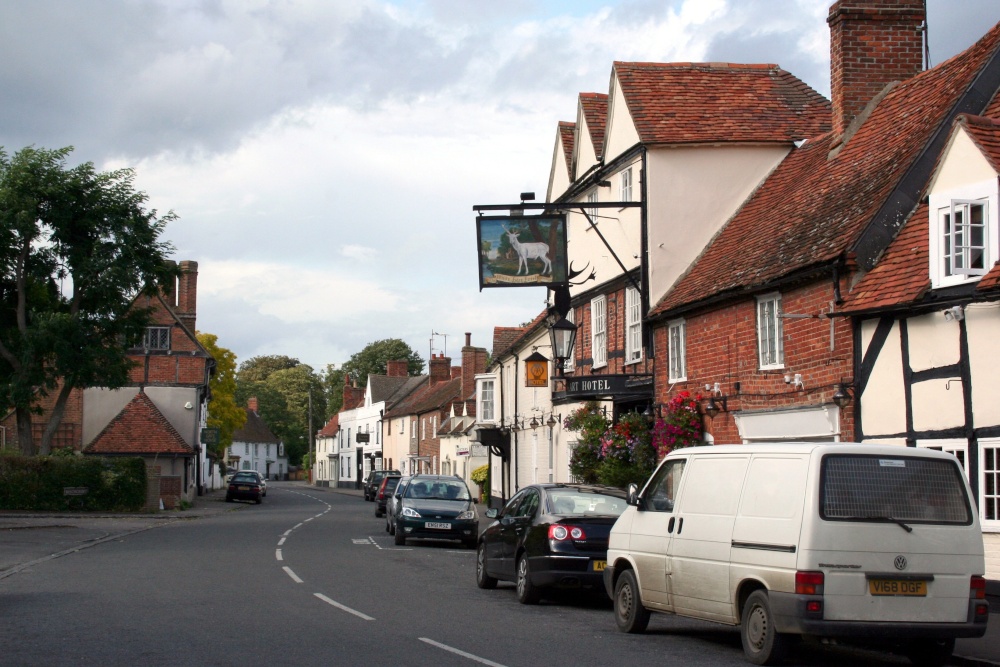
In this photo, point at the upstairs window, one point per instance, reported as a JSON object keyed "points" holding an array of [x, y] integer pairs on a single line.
{"points": [[486, 400], [633, 325], [568, 365], [770, 332], [156, 338], [625, 185], [677, 340], [599, 331], [592, 199], [964, 240]]}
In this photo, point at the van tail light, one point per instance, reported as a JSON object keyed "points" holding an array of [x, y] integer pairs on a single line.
{"points": [[560, 532], [809, 583], [977, 588]]}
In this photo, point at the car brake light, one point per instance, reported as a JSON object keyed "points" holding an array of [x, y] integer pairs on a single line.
{"points": [[977, 588], [560, 532], [809, 583]]}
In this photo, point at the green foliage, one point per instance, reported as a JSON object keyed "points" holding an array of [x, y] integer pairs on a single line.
{"points": [[591, 423], [223, 411], [480, 475], [76, 247], [333, 385], [372, 360], [37, 483], [613, 454]]}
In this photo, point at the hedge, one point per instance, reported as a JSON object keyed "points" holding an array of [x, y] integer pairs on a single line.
{"points": [[37, 483]]}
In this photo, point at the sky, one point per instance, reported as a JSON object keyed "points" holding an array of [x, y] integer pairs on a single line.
{"points": [[323, 156]]}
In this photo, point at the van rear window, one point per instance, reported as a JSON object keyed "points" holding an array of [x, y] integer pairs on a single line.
{"points": [[857, 487]]}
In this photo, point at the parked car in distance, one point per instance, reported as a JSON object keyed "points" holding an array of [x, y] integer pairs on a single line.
{"points": [[373, 480], [392, 505], [550, 536], [384, 492], [437, 507], [260, 478], [245, 485]]}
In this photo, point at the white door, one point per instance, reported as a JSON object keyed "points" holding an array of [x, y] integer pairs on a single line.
{"points": [[652, 528]]}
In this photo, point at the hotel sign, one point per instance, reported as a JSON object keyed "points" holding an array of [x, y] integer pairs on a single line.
{"points": [[592, 386]]}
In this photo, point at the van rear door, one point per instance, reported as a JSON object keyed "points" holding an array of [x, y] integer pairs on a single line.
{"points": [[896, 537]]}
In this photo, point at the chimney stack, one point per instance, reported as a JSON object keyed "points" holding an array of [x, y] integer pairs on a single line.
{"points": [[252, 404], [187, 294], [872, 44], [397, 368], [473, 363], [440, 368]]}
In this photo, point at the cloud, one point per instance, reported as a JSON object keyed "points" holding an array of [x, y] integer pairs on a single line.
{"points": [[358, 252]]}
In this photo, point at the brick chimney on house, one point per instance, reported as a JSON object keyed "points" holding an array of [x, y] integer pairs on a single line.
{"points": [[473, 363], [187, 294], [353, 396], [440, 368], [252, 404], [397, 368], [872, 44]]}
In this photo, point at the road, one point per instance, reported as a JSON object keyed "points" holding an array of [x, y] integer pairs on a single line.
{"points": [[310, 578]]}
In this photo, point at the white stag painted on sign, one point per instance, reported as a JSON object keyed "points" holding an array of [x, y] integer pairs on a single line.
{"points": [[526, 251]]}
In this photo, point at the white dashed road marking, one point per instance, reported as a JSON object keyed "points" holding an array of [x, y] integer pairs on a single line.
{"points": [[450, 649], [277, 554], [343, 608], [291, 574]]}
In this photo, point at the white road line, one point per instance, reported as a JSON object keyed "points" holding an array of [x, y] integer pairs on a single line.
{"points": [[291, 574], [281, 541], [277, 554], [298, 525], [483, 661], [308, 520], [343, 608], [375, 543], [287, 533]]}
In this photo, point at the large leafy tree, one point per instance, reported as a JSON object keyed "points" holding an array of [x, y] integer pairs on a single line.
{"points": [[333, 385], [372, 360], [223, 411], [283, 386], [76, 247]]}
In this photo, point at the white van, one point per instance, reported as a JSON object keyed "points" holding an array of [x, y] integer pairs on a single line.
{"points": [[807, 539]]}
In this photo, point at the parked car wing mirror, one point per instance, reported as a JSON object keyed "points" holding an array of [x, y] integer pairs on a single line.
{"points": [[492, 513], [633, 494]]}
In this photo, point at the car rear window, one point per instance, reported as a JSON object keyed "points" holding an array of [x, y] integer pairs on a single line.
{"points": [[893, 488], [577, 502]]}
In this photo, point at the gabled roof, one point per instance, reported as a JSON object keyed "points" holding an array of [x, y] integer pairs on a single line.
{"points": [[140, 428], [985, 133], [427, 398], [813, 209], [514, 335], [567, 132], [330, 429], [683, 103], [254, 430], [413, 383], [595, 112], [384, 386]]}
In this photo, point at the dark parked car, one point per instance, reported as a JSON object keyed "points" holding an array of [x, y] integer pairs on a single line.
{"points": [[384, 492], [392, 505], [245, 485], [550, 536], [437, 507], [373, 480]]}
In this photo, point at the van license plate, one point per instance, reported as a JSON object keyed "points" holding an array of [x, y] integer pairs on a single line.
{"points": [[897, 587], [599, 565], [438, 526]]}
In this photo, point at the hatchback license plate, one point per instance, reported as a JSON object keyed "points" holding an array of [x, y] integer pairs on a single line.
{"points": [[438, 526], [243, 488], [897, 587], [599, 565]]}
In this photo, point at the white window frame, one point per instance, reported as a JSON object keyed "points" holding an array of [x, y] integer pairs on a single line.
{"points": [[625, 185], [992, 525], [945, 206], [677, 351], [599, 331], [486, 397], [633, 325], [592, 198], [770, 329], [569, 365]]}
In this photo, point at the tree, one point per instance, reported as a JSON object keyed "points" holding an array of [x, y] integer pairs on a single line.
{"points": [[372, 360], [223, 411], [333, 385], [258, 369], [76, 247]]}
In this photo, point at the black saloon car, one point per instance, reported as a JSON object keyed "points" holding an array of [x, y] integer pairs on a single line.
{"points": [[549, 536], [245, 485], [373, 481], [385, 491], [437, 507]]}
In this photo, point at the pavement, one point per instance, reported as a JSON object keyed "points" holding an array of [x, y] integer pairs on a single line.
{"points": [[30, 538]]}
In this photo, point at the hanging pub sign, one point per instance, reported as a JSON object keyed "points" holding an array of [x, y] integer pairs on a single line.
{"points": [[521, 251]]}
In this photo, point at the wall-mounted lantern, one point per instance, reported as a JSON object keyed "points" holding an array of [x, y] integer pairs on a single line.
{"points": [[563, 336]]}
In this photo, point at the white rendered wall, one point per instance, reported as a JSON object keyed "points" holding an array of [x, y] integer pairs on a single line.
{"points": [[620, 134], [983, 324], [962, 164], [883, 404]]}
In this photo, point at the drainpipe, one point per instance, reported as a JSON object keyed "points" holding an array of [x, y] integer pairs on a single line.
{"points": [[514, 446]]}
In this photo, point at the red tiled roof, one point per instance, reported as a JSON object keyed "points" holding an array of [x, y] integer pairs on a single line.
{"points": [[985, 133], [720, 102], [140, 428], [521, 333], [991, 280], [331, 427], [902, 275], [812, 208], [595, 112], [567, 131], [503, 339]]}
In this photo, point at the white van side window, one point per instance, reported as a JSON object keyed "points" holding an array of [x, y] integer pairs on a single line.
{"points": [[662, 490]]}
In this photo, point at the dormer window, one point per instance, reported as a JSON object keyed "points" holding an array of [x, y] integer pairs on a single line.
{"points": [[963, 238]]}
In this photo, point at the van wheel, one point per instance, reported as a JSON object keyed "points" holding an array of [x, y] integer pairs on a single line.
{"points": [[761, 643], [483, 580], [527, 593], [930, 652], [630, 615]]}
